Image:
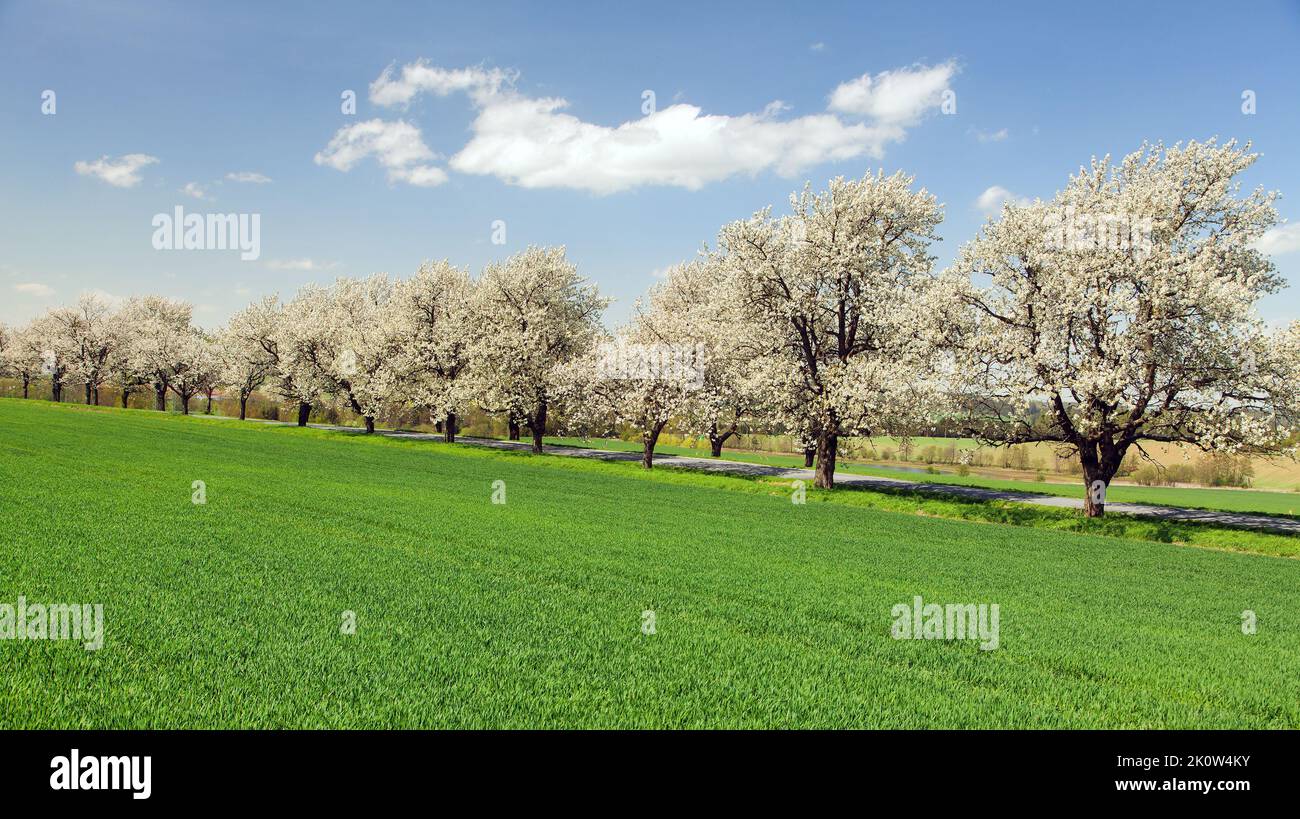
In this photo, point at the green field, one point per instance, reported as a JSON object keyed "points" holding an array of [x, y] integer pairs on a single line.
{"points": [[529, 614], [1227, 500]]}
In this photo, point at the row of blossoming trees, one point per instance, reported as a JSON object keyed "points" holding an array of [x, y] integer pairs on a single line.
{"points": [[1120, 312]]}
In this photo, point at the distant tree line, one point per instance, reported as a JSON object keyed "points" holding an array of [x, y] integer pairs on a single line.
{"points": [[1122, 311]]}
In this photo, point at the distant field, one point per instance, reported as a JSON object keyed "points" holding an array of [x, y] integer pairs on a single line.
{"points": [[529, 614], [1227, 500]]}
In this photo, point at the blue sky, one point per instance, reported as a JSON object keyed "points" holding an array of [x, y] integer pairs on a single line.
{"points": [[221, 88]]}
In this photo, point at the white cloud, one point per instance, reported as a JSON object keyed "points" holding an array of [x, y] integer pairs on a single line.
{"points": [[251, 177], [422, 176], [990, 136], [817, 47], [123, 172], [898, 97], [1279, 240], [195, 189], [36, 289], [533, 143], [480, 83], [991, 200], [398, 146], [299, 264]]}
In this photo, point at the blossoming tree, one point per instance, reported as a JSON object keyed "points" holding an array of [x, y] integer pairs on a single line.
{"points": [[87, 333], [533, 316], [24, 355], [836, 288], [247, 349], [432, 316], [343, 338], [159, 331], [194, 368], [1122, 311], [652, 371]]}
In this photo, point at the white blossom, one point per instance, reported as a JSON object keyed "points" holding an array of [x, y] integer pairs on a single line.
{"points": [[1080, 330], [835, 289], [533, 315]]}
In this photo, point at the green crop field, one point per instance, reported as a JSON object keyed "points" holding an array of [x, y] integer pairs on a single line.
{"points": [[530, 613], [1227, 500]]}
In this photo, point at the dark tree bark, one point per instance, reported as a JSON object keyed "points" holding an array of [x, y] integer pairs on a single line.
{"points": [[56, 389], [450, 426], [88, 390], [304, 410], [95, 396], [208, 410], [1100, 462], [368, 420], [185, 404], [243, 406], [648, 441], [537, 425], [512, 424], [27, 383], [716, 441], [809, 454], [827, 444], [126, 396], [160, 397]]}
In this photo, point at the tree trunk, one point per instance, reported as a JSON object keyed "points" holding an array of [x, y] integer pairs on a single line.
{"points": [[126, 396], [827, 444], [95, 396], [160, 397], [716, 441], [27, 383], [512, 424], [648, 440], [356, 408], [304, 410], [437, 426], [88, 388], [809, 453], [208, 410], [537, 424], [56, 389], [1094, 492], [243, 407], [450, 426], [1100, 463], [185, 403]]}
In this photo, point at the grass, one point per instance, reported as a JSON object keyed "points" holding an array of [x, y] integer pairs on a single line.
{"points": [[1226, 500], [528, 614], [1185, 533]]}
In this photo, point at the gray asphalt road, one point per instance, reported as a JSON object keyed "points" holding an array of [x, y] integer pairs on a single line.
{"points": [[1237, 519], [1246, 521]]}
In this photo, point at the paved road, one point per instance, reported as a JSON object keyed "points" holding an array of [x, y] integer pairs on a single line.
{"points": [[1237, 519]]}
